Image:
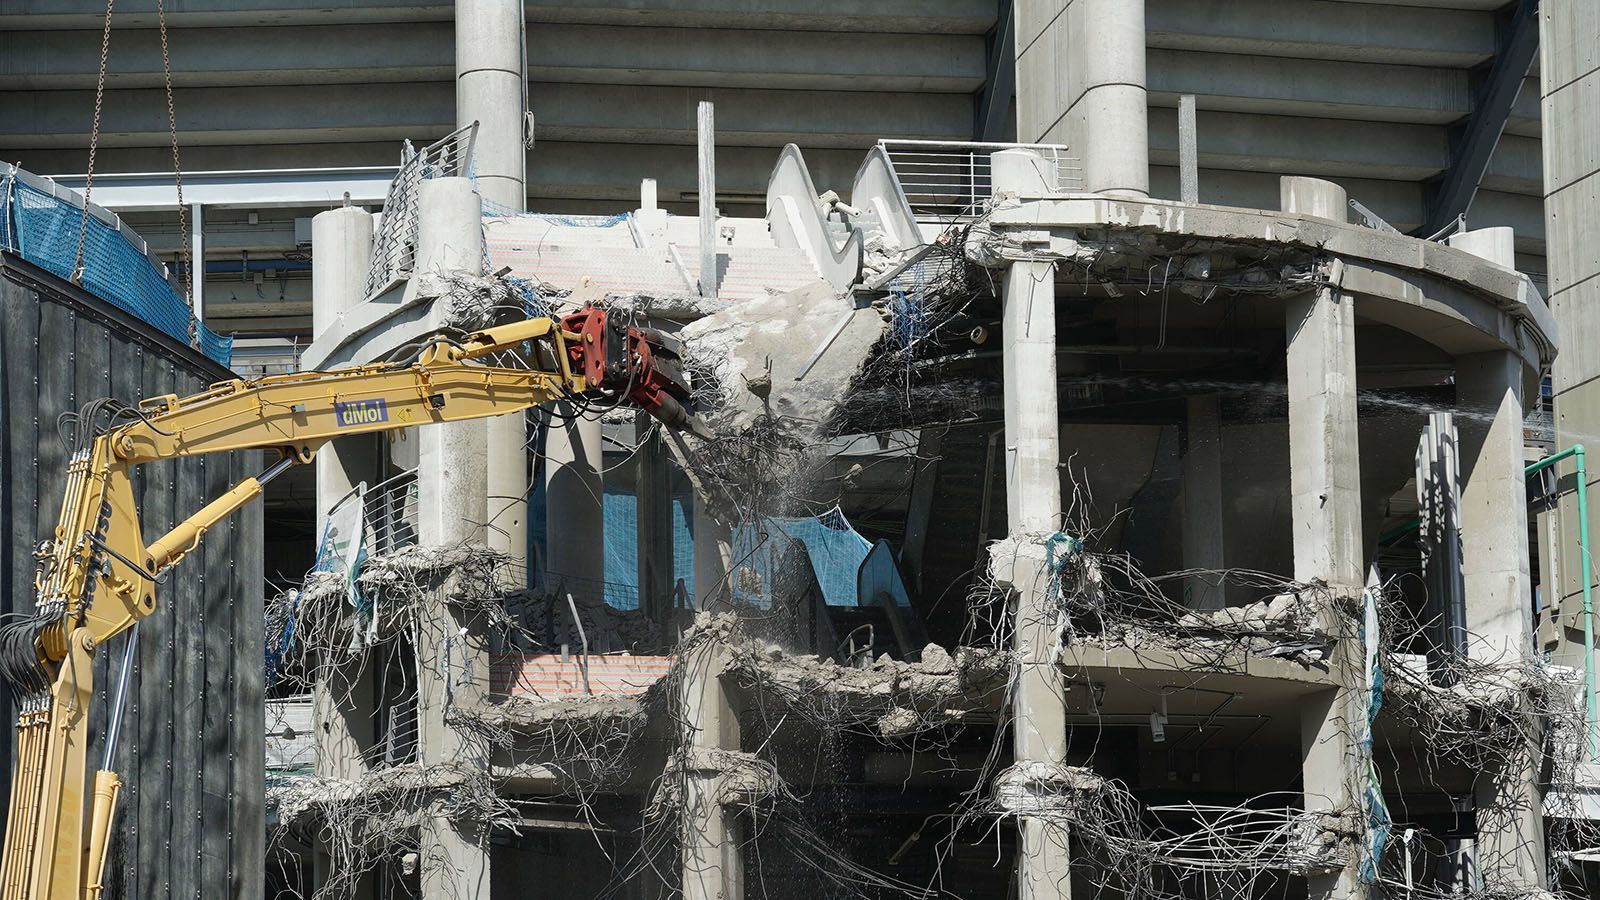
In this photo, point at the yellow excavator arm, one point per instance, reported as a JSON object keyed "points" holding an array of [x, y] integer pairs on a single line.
{"points": [[97, 574]]}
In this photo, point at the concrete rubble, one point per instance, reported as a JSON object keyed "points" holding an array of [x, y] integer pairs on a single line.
{"points": [[789, 356], [896, 698]]}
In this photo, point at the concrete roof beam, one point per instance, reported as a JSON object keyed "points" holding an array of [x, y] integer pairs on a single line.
{"points": [[564, 112], [1398, 202], [905, 16], [1321, 29], [62, 60], [1338, 148], [1303, 87]]}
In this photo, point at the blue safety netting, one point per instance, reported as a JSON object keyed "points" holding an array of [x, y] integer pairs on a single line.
{"points": [[836, 550], [622, 546], [43, 229]]}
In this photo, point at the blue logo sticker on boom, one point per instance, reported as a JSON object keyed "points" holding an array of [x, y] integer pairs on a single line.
{"points": [[361, 412]]}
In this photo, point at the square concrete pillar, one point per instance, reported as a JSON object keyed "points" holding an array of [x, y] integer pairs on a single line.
{"points": [[452, 509], [1499, 595], [1033, 507], [713, 868], [1325, 500], [453, 664], [1494, 512], [1033, 428], [1324, 450], [574, 514]]}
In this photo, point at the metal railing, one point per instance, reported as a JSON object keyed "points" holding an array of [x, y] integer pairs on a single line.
{"points": [[391, 513], [394, 245], [388, 512], [258, 357], [949, 180]]}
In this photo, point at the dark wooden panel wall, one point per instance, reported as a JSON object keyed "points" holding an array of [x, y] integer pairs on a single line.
{"points": [[192, 749]]}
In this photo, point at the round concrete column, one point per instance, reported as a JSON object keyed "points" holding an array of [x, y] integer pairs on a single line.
{"points": [[1110, 116], [452, 487], [1023, 173], [1313, 197], [1497, 245], [490, 90], [341, 250]]}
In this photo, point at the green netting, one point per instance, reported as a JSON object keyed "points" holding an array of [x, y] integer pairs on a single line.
{"points": [[43, 229]]}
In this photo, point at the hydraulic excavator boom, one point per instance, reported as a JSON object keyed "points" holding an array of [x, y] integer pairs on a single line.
{"points": [[97, 574]]}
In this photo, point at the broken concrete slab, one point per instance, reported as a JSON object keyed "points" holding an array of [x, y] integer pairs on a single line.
{"points": [[789, 356]]}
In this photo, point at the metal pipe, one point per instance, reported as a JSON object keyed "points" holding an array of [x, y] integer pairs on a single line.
{"points": [[114, 730], [1592, 704], [583, 639]]}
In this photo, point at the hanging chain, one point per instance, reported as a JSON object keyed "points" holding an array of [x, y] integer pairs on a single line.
{"points": [[94, 142], [177, 176]]}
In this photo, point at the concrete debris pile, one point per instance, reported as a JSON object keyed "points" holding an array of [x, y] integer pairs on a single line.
{"points": [[328, 618], [662, 310], [892, 698], [598, 715], [378, 818], [1107, 601], [473, 302], [577, 745], [398, 793], [1474, 713]]}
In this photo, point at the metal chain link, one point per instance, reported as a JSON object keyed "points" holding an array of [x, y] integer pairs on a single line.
{"points": [[94, 142], [177, 176]]}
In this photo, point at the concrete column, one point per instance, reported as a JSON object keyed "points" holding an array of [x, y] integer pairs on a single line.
{"points": [[341, 250], [1188, 151], [1313, 197], [491, 90], [1495, 572], [1033, 429], [1033, 511], [710, 833], [197, 261], [1324, 456], [452, 506], [1033, 432], [343, 702], [652, 486], [707, 130], [713, 557], [1081, 82], [574, 518], [1325, 501], [1203, 526]]}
